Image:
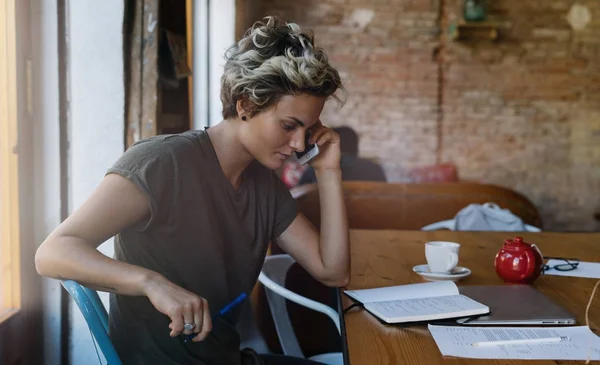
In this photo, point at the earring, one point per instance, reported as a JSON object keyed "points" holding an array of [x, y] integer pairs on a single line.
{"points": [[244, 118]]}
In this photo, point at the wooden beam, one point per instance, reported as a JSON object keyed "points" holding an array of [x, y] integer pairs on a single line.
{"points": [[141, 69], [133, 72], [149, 65]]}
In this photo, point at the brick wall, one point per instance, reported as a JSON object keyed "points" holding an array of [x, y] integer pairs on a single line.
{"points": [[522, 112]]}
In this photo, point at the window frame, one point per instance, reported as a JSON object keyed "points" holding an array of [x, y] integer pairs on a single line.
{"points": [[10, 258]]}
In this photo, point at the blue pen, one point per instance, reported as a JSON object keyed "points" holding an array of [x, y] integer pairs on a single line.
{"points": [[222, 312]]}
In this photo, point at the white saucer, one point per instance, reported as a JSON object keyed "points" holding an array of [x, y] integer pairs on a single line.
{"points": [[458, 273]]}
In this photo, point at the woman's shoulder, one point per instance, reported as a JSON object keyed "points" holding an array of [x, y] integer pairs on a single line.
{"points": [[169, 144], [175, 141], [162, 152]]}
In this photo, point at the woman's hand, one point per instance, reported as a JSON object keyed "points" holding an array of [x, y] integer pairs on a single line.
{"points": [[181, 305], [329, 147]]}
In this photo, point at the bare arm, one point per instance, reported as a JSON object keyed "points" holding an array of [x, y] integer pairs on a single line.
{"points": [[70, 252], [326, 256]]}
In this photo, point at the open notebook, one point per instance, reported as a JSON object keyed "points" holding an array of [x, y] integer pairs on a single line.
{"points": [[417, 302]]}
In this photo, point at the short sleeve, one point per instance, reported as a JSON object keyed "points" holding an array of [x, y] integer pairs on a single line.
{"points": [[286, 209], [150, 164]]}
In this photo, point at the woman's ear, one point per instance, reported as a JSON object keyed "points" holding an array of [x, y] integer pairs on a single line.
{"points": [[242, 109]]}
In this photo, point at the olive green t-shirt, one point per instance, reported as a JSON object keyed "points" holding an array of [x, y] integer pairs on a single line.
{"points": [[203, 235]]}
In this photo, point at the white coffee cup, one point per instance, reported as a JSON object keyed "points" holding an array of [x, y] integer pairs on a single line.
{"points": [[442, 256]]}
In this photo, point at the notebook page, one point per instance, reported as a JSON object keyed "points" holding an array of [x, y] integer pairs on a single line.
{"points": [[457, 341], [423, 309], [409, 291]]}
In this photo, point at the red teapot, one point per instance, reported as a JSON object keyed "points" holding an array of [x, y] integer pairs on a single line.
{"points": [[518, 262]]}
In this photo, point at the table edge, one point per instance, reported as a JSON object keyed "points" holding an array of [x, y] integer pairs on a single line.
{"points": [[344, 338]]}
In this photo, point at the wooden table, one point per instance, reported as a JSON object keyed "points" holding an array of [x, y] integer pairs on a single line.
{"points": [[384, 258]]}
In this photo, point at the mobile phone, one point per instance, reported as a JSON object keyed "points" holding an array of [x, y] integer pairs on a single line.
{"points": [[310, 150]]}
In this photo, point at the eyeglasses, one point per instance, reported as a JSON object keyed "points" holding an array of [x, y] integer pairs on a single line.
{"points": [[565, 265]]}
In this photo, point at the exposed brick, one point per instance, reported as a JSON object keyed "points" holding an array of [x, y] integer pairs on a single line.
{"points": [[522, 112], [559, 35]]}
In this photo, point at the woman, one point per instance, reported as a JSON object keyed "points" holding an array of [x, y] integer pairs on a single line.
{"points": [[193, 213]]}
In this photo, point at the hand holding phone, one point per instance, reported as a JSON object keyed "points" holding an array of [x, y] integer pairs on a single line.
{"points": [[310, 150]]}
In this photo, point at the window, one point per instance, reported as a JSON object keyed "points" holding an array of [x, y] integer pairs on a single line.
{"points": [[10, 295]]}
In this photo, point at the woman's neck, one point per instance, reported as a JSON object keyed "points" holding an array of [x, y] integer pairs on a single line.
{"points": [[233, 157]]}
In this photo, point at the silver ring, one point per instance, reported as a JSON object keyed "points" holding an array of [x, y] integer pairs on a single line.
{"points": [[188, 326]]}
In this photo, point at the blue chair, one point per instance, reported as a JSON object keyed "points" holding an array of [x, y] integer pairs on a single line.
{"points": [[95, 315]]}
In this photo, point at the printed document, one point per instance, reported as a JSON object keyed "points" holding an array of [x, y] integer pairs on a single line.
{"points": [[458, 342]]}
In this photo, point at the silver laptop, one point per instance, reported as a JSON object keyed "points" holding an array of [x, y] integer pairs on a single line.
{"points": [[515, 305]]}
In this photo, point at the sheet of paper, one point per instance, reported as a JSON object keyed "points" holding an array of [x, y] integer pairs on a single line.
{"points": [[409, 291], [583, 270], [457, 341], [424, 307]]}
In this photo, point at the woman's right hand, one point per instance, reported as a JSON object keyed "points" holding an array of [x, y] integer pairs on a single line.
{"points": [[181, 305]]}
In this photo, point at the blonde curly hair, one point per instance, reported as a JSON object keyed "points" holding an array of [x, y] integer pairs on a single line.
{"points": [[274, 59]]}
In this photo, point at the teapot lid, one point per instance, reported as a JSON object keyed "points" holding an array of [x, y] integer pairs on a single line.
{"points": [[515, 242], [519, 240]]}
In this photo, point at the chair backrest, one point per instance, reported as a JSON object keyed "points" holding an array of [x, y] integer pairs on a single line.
{"points": [[273, 277], [377, 205], [95, 315]]}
